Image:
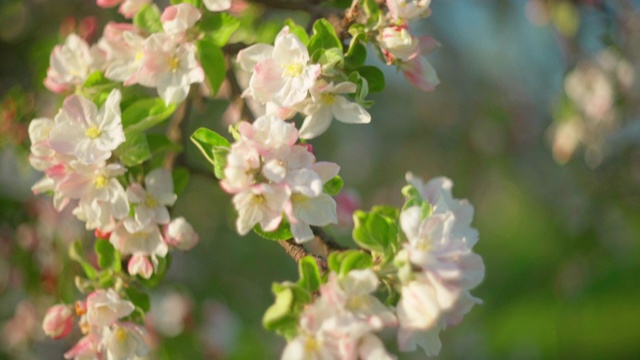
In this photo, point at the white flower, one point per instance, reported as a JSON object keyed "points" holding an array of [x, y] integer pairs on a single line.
{"points": [[262, 204], [170, 66], [105, 307], [407, 10], [122, 46], [177, 19], [58, 322], [124, 342], [180, 233], [140, 265], [328, 104], [70, 64], [83, 131], [217, 5], [151, 204], [139, 241], [397, 43], [282, 73]]}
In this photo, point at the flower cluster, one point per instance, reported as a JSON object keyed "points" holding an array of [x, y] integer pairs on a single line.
{"points": [[163, 60], [437, 266], [105, 334], [269, 174], [75, 152], [342, 322], [428, 281], [287, 82], [405, 50]]}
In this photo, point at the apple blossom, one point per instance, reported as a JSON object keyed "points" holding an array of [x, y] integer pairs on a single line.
{"points": [[283, 74], [408, 9], [128, 8], [397, 43], [151, 204], [140, 265], [105, 307], [180, 234], [327, 104], [58, 322], [262, 204], [122, 46], [88, 347], [70, 64], [139, 241], [217, 5], [170, 66], [177, 19], [124, 341], [84, 131]]}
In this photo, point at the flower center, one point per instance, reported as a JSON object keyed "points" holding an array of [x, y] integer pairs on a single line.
{"points": [[293, 69], [173, 63], [356, 302], [298, 198], [150, 201], [93, 132], [139, 56], [311, 345], [100, 181], [328, 98], [121, 334], [258, 199]]}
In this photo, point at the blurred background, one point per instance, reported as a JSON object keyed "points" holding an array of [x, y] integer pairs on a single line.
{"points": [[536, 120]]}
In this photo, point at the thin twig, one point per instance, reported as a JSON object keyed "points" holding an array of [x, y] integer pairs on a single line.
{"points": [[297, 252]]}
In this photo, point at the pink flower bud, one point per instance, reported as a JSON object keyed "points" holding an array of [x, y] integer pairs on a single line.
{"points": [[180, 234], [140, 265], [58, 321]]}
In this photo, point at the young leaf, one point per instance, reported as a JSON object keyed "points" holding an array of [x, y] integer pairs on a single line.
{"points": [[219, 26], [324, 37], [180, 179], [77, 254], [356, 55], [333, 186], [144, 114], [373, 231], [214, 147], [108, 257], [212, 62], [134, 151], [283, 232], [345, 261], [139, 298], [298, 31], [374, 76], [310, 278], [280, 313], [148, 18]]}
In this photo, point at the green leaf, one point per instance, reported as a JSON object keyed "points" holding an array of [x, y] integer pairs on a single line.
{"points": [[345, 261], [219, 25], [333, 186], [97, 88], [324, 37], [331, 58], [144, 114], [212, 62], [160, 143], [362, 89], [139, 298], [374, 76], [134, 151], [148, 18], [195, 3], [76, 253], [280, 313], [214, 147], [180, 179], [310, 278], [283, 232], [356, 55], [374, 231], [108, 256], [298, 31], [372, 10]]}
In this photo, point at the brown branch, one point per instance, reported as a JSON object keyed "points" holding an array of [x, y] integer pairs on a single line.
{"points": [[327, 241], [297, 252]]}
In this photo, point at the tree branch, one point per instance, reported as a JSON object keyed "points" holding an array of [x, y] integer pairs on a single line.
{"points": [[297, 252]]}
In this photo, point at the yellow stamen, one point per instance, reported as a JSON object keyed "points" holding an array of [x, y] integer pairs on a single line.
{"points": [[328, 98], [298, 198], [311, 345], [100, 181], [293, 69], [258, 199], [150, 201], [121, 334], [93, 132], [173, 63]]}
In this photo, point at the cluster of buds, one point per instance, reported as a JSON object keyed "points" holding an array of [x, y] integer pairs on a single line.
{"points": [[269, 174], [401, 48], [106, 335]]}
